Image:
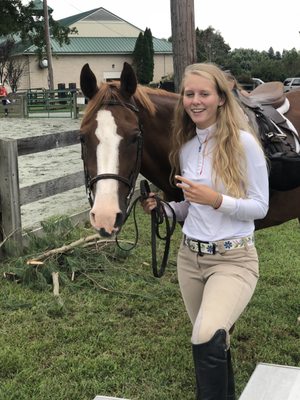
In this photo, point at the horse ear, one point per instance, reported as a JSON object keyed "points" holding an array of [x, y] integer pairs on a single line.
{"points": [[88, 82], [128, 81]]}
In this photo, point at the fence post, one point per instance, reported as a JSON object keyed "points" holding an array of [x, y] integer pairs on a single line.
{"points": [[23, 105], [74, 104], [9, 193]]}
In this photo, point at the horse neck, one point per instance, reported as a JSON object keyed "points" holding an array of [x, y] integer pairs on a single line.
{"points": [[157, 132], [157, 128]]}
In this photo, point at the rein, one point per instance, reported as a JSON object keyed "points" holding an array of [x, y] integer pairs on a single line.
{"points": [[158, 215]]}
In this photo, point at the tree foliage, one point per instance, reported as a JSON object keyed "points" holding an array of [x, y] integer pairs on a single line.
{"points": [[268, 65], [24, 25], [28, 22], [211, 46], [10, 11], [138, 55], [149, 59], [143, 57]]}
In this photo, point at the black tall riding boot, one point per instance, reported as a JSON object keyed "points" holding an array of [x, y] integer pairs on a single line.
{"points": [[211, 368], [231, 384]]}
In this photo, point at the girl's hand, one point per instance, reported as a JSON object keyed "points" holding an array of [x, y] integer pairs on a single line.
{"points": [[149, 204], [195, 192]]}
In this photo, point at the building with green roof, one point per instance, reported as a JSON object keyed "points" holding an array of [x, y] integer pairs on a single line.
{"points": [[104, 40]]}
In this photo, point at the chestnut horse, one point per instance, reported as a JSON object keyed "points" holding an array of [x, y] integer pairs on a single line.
{"points": [[126, 131]]}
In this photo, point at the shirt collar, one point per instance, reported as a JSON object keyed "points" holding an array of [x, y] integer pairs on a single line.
{"points": [[203, 133]]}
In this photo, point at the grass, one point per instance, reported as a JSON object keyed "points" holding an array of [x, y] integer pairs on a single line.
{"points": [[116, 330]]}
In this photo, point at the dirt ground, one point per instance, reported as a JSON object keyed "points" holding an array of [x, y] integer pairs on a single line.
{"points": [[47, 165]]}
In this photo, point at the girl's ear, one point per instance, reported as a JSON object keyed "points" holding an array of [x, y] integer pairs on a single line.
{"points": [[222, 101]]}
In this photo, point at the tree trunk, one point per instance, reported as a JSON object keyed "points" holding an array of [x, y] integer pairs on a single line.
{"points": [[183, 37]]}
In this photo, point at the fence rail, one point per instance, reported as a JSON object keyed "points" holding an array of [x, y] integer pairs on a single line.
{"points": [[12, 197]]}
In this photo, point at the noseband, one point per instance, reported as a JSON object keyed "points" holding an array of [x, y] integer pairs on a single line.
{"points": [[130, 182]]}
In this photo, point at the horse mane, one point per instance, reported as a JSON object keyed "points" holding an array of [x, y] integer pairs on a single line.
{"points": [[110, 91]]}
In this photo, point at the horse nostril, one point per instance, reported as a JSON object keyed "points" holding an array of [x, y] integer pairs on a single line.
{"points": [[92, 215], [103, 233], [119, 220]]}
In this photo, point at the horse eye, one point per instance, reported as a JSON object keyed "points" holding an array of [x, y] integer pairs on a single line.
{"points": [[134, 139], [129, 139], [82, 138]]}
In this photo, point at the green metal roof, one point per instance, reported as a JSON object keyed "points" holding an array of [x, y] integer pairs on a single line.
{"points": [[75, 18], [103, 45], [99, 15]]}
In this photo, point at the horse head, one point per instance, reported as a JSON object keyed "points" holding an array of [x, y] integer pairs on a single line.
{"points": [[111, 147]]}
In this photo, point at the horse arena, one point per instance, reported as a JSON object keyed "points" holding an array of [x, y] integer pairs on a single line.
{"points": [[43, 166]]}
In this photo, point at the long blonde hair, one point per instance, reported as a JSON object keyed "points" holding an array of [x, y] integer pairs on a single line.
{"points": [[229, 161]]}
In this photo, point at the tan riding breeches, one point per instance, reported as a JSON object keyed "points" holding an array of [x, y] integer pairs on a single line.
{"points": [[216, 288]]}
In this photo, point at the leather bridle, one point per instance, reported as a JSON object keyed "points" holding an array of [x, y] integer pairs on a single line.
{"points": [[131, 181]]}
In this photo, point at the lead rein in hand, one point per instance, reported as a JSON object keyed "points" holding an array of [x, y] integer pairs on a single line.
{"points": [[158, 216]]}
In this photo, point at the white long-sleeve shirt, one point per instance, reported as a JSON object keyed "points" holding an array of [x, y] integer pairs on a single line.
{"points": [[235, 217]]}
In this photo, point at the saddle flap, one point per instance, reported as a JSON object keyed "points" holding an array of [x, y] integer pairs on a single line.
{"points": [[270, 112]]}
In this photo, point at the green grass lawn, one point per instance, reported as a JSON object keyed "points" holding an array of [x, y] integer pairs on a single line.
{"points": [[116, 330]]}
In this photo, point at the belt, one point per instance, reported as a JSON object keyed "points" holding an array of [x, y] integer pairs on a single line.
{"points": [[220, 246]]}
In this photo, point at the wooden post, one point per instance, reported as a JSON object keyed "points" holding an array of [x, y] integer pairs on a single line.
{"points": [[9, 192], [20, 100], [25, 104], [74, 103], [183, 37]]}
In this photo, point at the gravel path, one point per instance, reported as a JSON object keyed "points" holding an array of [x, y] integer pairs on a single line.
{"points": [[43, 166]]}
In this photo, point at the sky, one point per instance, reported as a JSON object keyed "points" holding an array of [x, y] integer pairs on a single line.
{"points": [[255, 24]]}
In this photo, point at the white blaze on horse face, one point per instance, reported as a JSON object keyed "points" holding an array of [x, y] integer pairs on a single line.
{"points": [[106, 203]]}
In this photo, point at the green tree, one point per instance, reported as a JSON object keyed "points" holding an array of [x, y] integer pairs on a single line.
{"points": [[246, 63], [241, 63], [138, 56], [149, 55], [271, 52], [28, 22], [291, 62], [211, 46], [268, 69], [143, 57], [10, 11]]}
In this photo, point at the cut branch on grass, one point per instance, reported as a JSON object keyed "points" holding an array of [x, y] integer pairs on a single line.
{"points": [[80, 242], [67, 247]]}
